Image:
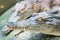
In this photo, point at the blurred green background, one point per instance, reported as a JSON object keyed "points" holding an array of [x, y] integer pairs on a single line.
{"points": [[6, 4], [5, 17]]}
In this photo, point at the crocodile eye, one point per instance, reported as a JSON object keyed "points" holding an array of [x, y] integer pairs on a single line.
{"points": [[39, 19]]}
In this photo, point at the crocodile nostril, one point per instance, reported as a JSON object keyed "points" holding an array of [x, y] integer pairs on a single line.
{"points": [[20, 11]]}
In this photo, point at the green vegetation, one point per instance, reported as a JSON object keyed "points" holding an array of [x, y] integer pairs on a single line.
{"points": [[5, 17]]}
